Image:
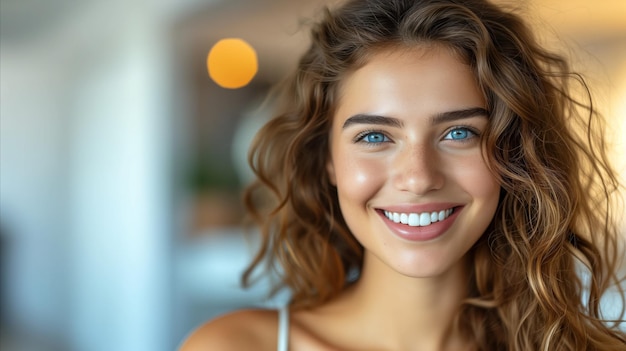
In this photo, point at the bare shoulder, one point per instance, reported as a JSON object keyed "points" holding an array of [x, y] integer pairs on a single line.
{"points": [[250, 329]]}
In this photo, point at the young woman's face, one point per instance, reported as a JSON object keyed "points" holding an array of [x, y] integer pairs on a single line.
{"points": [[406, 158]]}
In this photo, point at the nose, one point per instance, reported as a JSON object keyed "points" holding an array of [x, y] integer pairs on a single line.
{"points": [[417, 169]]}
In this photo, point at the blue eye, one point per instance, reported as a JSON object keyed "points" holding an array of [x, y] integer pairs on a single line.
{"points": [[459, 134], [374, 137]]}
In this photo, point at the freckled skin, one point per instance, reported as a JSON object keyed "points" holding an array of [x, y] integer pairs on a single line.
{"points": [[418, 163]]}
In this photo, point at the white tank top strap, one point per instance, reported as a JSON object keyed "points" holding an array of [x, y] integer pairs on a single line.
{"points": [[283, 328]]}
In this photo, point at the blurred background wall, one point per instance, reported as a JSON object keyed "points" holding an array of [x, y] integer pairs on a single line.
{"points": [[121, 162]]}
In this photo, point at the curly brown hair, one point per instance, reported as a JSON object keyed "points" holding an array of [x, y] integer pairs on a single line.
{"points": [[542, 144]]}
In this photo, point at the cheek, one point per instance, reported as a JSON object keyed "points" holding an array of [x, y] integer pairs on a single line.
{"points": [[474, 176], [358, 178]]}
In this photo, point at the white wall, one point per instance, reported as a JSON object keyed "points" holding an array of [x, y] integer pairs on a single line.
{"points": [[85, 180], [33, 189]]}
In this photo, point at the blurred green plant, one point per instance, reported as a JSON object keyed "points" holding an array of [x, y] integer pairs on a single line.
{"points": [[209, 172]]}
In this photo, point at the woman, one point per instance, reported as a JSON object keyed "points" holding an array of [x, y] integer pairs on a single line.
{"points": [[424, 186]]}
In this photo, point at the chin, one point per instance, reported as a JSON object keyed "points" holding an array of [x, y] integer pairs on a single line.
{"points": [[422, 267]]}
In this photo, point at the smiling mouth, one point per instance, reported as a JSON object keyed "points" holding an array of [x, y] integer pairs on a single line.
{"points": [[418, 219]]}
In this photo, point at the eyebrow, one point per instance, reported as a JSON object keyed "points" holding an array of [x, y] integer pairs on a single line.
{"points": [[442, 117], [459, 114], [372, 119]]}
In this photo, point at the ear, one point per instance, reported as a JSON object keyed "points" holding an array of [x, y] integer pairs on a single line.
{"points": [[330, 170]]}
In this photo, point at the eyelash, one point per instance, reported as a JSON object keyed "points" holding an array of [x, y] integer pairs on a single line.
{"points": [[359, 138], [472, 131]]}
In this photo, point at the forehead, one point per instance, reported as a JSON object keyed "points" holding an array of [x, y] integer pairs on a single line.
{"points": [[423, 79]]}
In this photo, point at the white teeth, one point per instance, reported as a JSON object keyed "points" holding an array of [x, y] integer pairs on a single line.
{"points": [[414, 219], [424, 219], [418, 219], [404, 218]]}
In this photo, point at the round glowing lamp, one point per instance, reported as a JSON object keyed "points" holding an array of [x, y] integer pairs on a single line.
{"points": [[232, 63]]}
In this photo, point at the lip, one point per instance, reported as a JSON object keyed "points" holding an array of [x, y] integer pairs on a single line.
{"points": [[426, 233]]}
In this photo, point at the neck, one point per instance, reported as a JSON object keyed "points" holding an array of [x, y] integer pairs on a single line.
{"points": [[413, 313]]}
